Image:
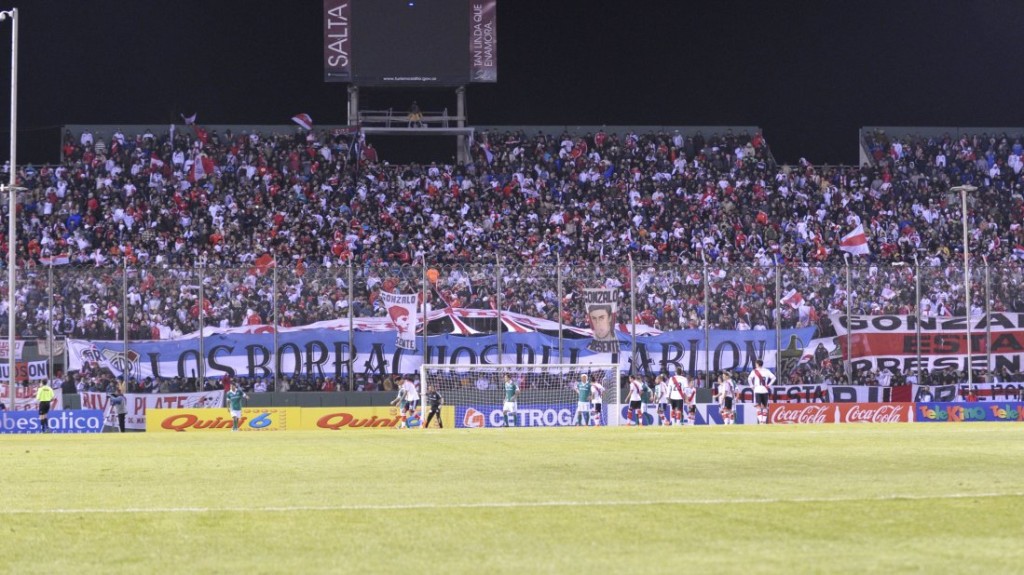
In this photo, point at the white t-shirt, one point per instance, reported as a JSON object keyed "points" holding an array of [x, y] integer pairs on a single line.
{"points": [[689, 395], [761, 379], [636, 389], [725, 389], [677, 386], [412, 392], [662, 391], [596, 393]]}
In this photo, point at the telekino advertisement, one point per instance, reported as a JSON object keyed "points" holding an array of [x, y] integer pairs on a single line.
{"points": [[890, 342]]}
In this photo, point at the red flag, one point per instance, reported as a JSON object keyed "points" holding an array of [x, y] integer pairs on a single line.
{"points": [[855, 242], [263, 265], [202, 168], [793, 299], [303, 120]]}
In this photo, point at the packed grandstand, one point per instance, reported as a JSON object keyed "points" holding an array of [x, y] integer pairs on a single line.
{"points": [[139, 237]]}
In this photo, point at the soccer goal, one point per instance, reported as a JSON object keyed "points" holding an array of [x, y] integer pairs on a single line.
{"points": [[541, 395]]}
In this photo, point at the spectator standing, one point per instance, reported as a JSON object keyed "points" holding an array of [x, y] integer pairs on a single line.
{"points": [[119, 403]]}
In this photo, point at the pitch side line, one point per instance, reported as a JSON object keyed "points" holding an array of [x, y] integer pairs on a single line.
{"points": [[507, 504]]}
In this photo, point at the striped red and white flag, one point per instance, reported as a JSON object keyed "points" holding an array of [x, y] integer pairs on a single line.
{"points": [[303, 120], [855, 242]]}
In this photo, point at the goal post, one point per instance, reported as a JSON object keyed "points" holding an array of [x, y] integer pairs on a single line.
{"points": [[547, 394]]}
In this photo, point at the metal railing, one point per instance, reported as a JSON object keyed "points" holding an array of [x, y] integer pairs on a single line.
{"points": [[812, 323]]}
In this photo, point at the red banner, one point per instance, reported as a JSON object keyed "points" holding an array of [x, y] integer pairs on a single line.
{"points": [[802, 413], [894, 342], [786, 413], [875, 412]]}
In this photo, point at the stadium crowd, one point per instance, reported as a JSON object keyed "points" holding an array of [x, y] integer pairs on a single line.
{"points": [[202, 227]]}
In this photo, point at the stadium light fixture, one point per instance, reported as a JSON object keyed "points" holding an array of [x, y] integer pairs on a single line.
{"points": [[12, 200], [963, 191]]}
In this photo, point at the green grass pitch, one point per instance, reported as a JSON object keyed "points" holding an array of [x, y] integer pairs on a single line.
{"points": [[940, 498]]}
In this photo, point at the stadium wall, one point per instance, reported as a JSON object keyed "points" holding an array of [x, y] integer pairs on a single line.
{"points": [[326, 399], [105, 130]]}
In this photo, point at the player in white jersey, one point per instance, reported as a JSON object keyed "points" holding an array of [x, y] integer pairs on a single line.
{"points": [[690, 401], [761, 380], [661, 392], [676, 384], [596, 403], [411, 402], [635, 394], [726, 393]]}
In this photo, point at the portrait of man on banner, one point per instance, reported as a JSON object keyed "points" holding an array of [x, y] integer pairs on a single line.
{"points": [[601, 306], [402, 311]]}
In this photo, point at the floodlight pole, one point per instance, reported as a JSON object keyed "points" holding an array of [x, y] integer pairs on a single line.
{"points": [[849, 321], [964, 190], [12, 236], [917, 313]]}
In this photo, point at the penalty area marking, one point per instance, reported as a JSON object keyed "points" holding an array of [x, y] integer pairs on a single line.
{"points": [[506, 504]]}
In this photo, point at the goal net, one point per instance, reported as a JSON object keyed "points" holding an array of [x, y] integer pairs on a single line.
{"points": [[543, 395]]}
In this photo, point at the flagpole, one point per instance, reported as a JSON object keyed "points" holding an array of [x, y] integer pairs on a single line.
{"points": [[963, 191], [849, 319], [917, 328], [778, 319], [632, 311], [351, 329], [497, 299], [558, 279], [988, 315], [277, 361], [423, 259], [425, 360], [707, 324], [12, 208]]}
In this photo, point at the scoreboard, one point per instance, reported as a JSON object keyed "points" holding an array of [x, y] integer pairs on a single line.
{"points": [[410, 42]]}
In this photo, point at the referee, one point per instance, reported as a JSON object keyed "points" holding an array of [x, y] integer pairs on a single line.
{"points": [[44, 396], [434, 400]]}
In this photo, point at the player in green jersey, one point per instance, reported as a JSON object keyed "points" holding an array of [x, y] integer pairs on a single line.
{"points": [[583, 390], [511, 406], [234, 399]]}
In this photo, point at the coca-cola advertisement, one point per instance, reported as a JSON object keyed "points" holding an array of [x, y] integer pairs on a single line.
{"points": [[875, 412], [841, 413], [803, 413]]}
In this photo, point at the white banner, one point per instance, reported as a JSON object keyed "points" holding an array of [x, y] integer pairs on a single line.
{"points": [[402, 311], [26, 398], [819, 394], [19, 348], [138, 403], [28, 370], [983, 391], [602, 306], [707, 414]]}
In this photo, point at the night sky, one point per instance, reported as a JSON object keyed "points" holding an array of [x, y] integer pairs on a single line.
{"points": [[810, 73]]}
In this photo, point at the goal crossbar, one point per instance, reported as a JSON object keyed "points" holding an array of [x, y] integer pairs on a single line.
{"points": [[542, 387]]}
